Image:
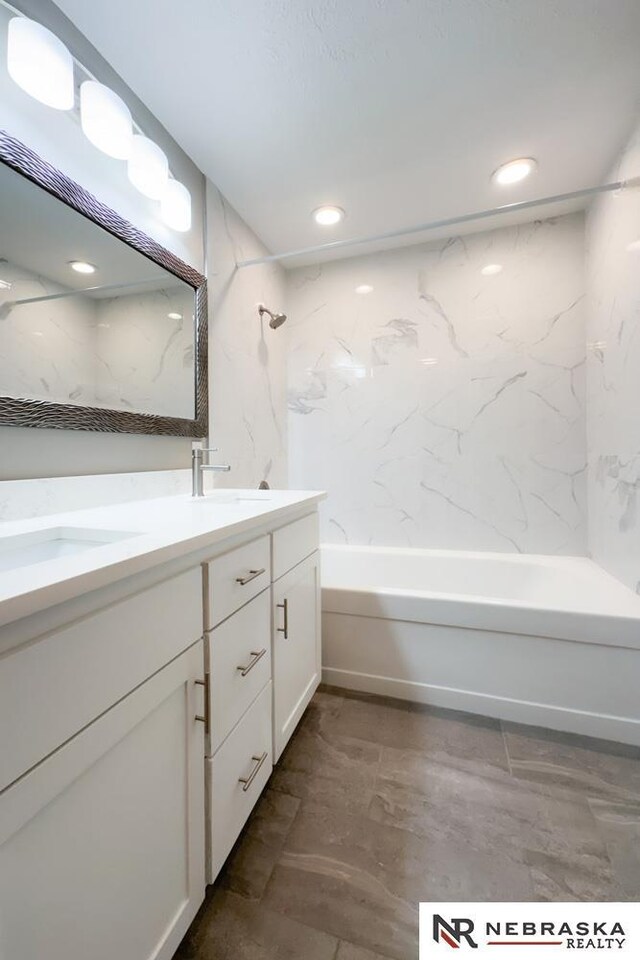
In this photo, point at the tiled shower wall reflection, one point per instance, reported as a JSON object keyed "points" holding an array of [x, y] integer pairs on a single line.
{"points": [[445, 408]]}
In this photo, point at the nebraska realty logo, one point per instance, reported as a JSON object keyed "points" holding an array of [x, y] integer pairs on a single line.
{"points": [[502, 929]]}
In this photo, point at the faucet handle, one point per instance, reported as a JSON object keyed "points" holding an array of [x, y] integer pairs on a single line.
{"points": [[197, 449]]}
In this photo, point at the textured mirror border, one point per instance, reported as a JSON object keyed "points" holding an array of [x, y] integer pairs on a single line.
{"points": [[64, 416]]}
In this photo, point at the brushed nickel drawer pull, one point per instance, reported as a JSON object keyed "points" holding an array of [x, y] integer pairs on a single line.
{"points": [[252, 576], [285, 629], [256, 655], [206, 719], [247, 781]]}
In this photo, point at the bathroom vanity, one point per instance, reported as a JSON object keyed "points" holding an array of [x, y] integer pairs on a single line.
{"points": [[156, 657]]}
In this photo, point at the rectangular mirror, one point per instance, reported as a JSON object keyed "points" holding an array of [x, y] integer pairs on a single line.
{"points": [[100, 327]]}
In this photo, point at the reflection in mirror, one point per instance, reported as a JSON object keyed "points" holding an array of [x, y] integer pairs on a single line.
{"points": [[84, 318]]}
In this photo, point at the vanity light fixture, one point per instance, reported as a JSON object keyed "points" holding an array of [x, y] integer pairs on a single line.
{"points": [[40, 63], [634, 246], [364, 288], [81, 266], [491, 269], [148, 167], [106, 120], [514, 171], [328, 216], [175, 206], [174, 316]]}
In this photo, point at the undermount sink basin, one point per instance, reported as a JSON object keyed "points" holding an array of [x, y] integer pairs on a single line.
{"points": [[53, 543]]}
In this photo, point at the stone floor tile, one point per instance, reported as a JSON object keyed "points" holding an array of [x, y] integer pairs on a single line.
{"points": [[250, 863], [619, 824], [463, 738], [329, 769], [237, 929], [362, 881], [349, 951], [594, 768]]}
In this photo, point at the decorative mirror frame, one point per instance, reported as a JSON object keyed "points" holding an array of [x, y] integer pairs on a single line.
{"points": [[65, 416]]}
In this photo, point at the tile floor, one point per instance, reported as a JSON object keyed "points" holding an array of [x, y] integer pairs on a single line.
{"points": [[377, 804]]}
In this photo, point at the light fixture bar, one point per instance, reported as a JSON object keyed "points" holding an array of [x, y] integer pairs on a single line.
{"points": [[179, 206], [448, 222]]}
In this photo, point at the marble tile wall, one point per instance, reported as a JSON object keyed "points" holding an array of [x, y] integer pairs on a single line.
{"points": [[613, 373], [24, 499], [247, 383], [445, 408]]}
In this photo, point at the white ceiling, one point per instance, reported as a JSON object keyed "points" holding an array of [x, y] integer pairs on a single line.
{"points": [[396, 110]]}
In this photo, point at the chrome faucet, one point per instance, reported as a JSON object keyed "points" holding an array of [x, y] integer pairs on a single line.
{"points": [[198, 466]]}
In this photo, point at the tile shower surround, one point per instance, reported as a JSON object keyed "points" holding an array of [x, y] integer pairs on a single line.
{"points": [[377, 804], [445, 409], [613, 374]]}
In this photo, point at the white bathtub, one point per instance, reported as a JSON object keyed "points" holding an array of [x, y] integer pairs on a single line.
{"points": [[545, 640]]}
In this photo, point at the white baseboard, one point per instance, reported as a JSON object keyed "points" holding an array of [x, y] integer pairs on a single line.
{"points": [[603, 726]]}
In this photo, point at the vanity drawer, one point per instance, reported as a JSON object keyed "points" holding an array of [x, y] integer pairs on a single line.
{"points": [[54, 686], [236, 777], [235, 578], [294, 543], [239, 658]]}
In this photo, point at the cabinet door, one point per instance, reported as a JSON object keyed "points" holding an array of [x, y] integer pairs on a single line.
{"points": [[296, 646], [102, 844]]}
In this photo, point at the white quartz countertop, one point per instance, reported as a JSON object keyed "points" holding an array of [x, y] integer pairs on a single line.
{"points": [[163, 529]]}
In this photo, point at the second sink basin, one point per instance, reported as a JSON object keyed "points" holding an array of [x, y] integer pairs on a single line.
{"points": [[52, 543]]}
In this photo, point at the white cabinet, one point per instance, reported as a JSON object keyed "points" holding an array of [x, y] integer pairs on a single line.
{"points": [[236, 776], [296, 646], [102, 843], [238, 656]]}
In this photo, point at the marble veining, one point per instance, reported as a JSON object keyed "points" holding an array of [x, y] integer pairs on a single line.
{"points": [[445, 408], [613, 374], [248, 367]]}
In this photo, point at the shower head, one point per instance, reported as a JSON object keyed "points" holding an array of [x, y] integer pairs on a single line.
{"points": [[275, 319]]}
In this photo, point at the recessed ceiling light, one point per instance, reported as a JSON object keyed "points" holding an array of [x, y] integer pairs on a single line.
{"points": [[328, 216], [514, 171], [364, 288], [491, 269], [81, 266], [174, 316], [634, 246]]}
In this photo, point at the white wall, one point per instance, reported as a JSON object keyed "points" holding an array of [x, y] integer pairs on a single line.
{"points": [[613, 374], [445, 408], [248, 420], [57, 137]]}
